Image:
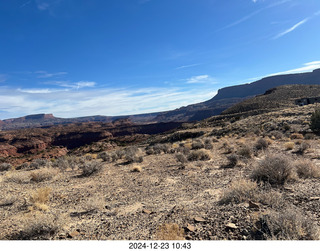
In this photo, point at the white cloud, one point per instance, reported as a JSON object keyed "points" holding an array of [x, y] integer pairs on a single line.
{"points": [[86, 102], [186, 66], [201, 79], [307, 67], [291, 29], [44, 74]]}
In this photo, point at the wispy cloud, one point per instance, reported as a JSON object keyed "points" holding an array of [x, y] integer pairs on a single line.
{"points": [[201, 79], [291, 29], [297, 25], [3, 78], [241, 20], [307, 67], [44, 74], [110, 101], [186, 66], [25, 4]]}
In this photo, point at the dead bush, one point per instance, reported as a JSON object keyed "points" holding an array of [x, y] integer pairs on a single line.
{"points": [[169, 231], [305, 168], [20, 177], [245, 152], [275, 169], [90, 167], [5, 167], [181, 158], [39, 163], [37, 227], [198, 144], [39, 199], [199, 155], [296, 136], [105, 156], [232, 161], [289, 145], [289, 224], [239, 191], [43, 174], [302, 148], [261, 144]]}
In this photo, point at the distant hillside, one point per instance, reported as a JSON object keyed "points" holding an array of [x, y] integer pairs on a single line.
{"points": [[276, 98]]}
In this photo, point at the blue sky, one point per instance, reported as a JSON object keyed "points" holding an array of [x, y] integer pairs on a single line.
{"points": [[115, 57]]}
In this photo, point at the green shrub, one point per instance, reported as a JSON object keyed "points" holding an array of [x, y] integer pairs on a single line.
{"points": [[315, 121]]}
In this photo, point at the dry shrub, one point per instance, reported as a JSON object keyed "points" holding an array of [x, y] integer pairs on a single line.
{"points": [[289, 145], [90, 167], [105, 156], [39, 163], [275, 169], [232, 161], [199, 155], [169, 231], [39, 199], [43, 174], [305, 168], [181, 158], [37, 227], [273, 199], [296, 136], [239, 191], [136, 169], [302, 148], [245, 151], [289, 224], [5, 167], [93, 204], [261, 144], [198, 144], [20, 177]]}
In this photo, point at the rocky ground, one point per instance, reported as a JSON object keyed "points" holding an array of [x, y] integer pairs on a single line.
{"points": [[162, 198]]}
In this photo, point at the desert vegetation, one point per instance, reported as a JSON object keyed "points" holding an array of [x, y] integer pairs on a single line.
{"points": [[256, 178]]}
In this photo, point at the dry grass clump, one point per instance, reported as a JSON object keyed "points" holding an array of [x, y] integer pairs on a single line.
{"points": [[289, 224], [208, 144], [239, 191], [181, 158], [158, 149], [39, 163], [232, 161], [199, 155], [43, 174], [90, 167], [67, 162], [37, 226], [302, 148], [39, 199], [275, 169], [136, 169], [296, 136], [305, 168], [245, 152], [197, 144], [19, 177], [5, 167], [169, 231], [289, 145], [261, 144], [105, 156]]}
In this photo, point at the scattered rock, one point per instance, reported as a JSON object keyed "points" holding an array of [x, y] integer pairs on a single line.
{"points": [[190, 228], [231, 226], [314, 198], [73, 234], [146, 211], [199, 219]]}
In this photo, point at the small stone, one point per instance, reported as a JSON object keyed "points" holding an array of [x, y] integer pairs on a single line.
{"points": [[190, 228], [146, 211], [231, 226], [73, 234], [199, 219]]}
